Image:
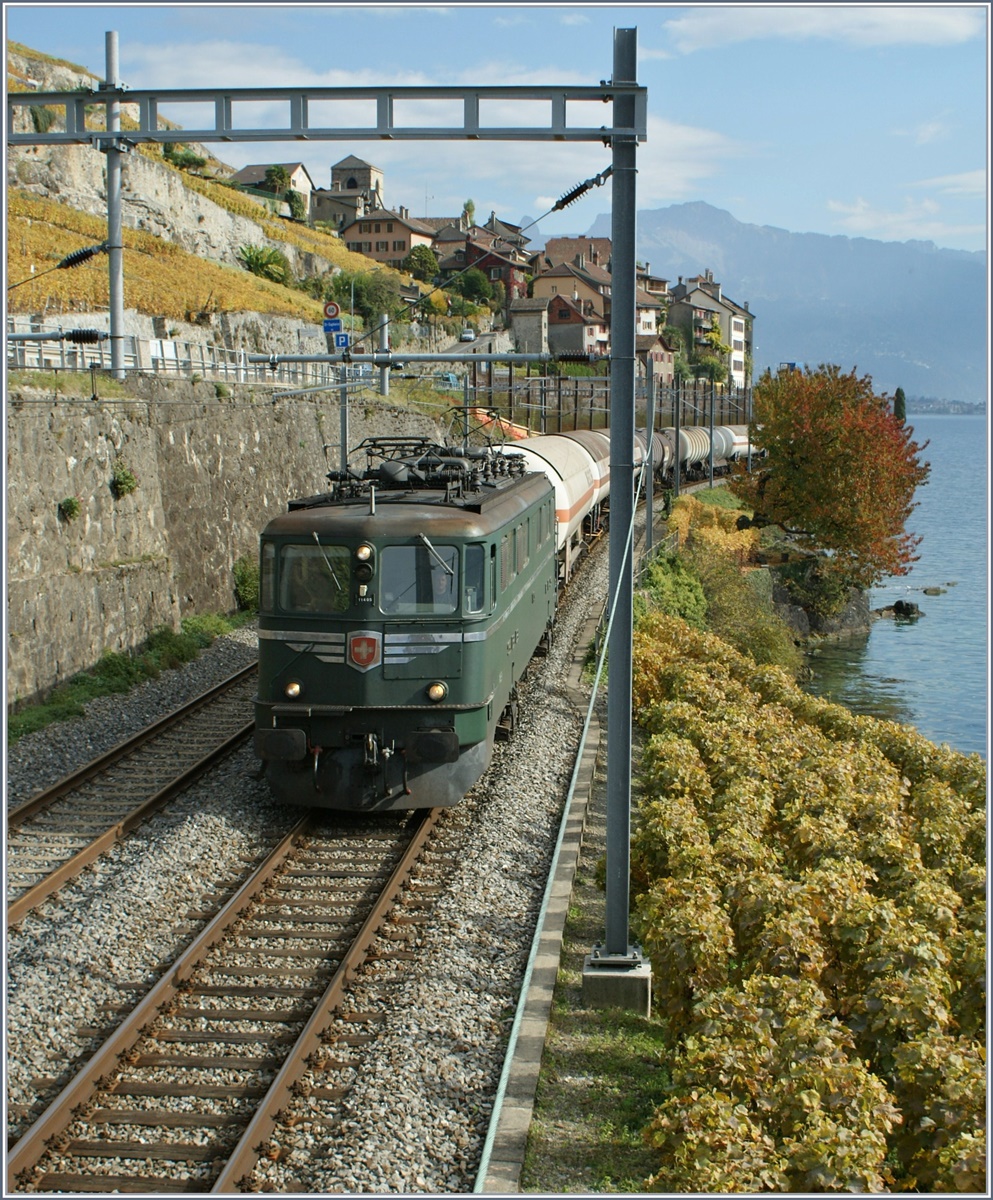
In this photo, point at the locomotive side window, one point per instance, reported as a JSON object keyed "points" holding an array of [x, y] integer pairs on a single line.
{"points": [[413, 580], [475, 579], [314, 579], [267, 578]]}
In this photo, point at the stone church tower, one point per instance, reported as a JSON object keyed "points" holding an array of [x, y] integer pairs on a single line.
{"points": [[354, 175]]}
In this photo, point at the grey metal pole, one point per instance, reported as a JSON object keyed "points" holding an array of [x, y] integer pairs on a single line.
{"points": [[622, 365], [384, 345], [115, 236], [343, 416], [676, 422], [650, 476], [712, 387]]}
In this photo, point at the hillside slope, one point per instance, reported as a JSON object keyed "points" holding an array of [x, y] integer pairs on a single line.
{"points": [[57, 203]]}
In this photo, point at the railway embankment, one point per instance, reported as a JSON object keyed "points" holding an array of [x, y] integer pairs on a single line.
{"points": [[128, 511]]}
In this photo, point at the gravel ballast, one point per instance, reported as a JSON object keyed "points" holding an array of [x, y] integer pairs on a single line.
{"points": [[418, 1120]]}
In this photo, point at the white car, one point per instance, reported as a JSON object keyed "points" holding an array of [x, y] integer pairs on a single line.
{"points": [[467, 335]]}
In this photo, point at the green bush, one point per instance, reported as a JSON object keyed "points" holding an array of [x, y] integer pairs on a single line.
{"points": [[267, 262], [69, 508], [809, 585], [736, 614], [123, 481], [246, 582], [672, 587]]}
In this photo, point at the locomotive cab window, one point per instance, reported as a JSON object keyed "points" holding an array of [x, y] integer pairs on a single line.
{"points": [[416, 580], [475, 579], [314, 578]]}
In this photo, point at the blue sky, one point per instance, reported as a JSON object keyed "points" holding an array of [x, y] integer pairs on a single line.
{"points": [[864, 120]]}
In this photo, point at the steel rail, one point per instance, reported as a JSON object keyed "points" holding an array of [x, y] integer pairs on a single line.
{"points": [[51, 1126], [52, 1123], [68, 783], [235, 1175], [69, 868]]}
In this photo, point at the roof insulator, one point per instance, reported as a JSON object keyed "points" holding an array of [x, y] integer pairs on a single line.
{"points": [[81, 256], [85, 337]]}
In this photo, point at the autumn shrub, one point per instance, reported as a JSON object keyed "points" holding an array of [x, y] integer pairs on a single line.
{"points": [[810, 888], [736, 613]]}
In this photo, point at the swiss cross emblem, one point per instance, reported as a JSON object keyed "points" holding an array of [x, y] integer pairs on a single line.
{"points": [[364, 650]]}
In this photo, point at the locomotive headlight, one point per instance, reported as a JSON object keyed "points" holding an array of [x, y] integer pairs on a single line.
{"points": [[364, 553], [292, 689], [437, 691]]}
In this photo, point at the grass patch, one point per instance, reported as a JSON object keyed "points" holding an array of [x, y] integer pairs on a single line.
{"points": [[115, 672], [74, 384], [603, 1071], [719, 497]]}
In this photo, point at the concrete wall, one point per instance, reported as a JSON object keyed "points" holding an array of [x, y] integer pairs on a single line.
{"points": [[212, 471]]}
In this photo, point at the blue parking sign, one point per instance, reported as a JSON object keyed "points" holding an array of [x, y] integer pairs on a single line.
{"points": [[341, 341]]}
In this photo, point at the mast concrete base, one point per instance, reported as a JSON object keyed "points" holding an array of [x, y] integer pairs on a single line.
{"points": [[625, 985]]}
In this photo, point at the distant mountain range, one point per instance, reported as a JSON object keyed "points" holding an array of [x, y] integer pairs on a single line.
{"points": [[909, 314]]}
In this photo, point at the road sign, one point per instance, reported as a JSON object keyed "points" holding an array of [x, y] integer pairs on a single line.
{"points": [[332, 310], [333, 326], [341, 341]]}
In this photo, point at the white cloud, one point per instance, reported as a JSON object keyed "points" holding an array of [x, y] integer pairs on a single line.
{"points": [[971, 184], [919, 220], [858, 25], [930, 131]]}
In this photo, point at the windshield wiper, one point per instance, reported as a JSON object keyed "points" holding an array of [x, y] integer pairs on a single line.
{"points": [[327, 562], [437, 557]]}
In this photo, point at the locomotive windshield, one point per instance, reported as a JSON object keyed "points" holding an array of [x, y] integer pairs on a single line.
{"points": [[314, 579], [419, 579]]}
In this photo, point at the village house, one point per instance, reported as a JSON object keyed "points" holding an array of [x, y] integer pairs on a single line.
{"points": [[697, 305], [656, 356], [528, 320], [386, 236], [252, 179], [577, 327]]}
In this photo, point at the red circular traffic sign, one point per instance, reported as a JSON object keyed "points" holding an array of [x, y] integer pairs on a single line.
{"points": [[331, 310]]}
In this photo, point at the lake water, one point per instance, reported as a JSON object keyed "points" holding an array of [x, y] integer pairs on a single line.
{"points": [[931, 673]]}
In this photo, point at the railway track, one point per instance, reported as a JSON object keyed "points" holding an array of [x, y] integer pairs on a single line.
{"points": [[59, 832], [186, 1093]]}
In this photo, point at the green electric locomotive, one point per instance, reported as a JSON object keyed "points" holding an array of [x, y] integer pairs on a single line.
{"points": [[397, 613]]}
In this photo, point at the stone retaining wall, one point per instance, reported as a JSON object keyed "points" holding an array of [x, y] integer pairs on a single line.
{"points": [[211, 472]]}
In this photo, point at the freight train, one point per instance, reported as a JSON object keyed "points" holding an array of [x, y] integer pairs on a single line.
{"points": [[399, 610]]}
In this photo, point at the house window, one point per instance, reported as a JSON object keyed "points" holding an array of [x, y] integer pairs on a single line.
{"points": [[564, 314], [494, 272], [365, 227], [554, 289], [389, 226], [400, 245], [378, 228], [738, 326], [738, 344], [382, 246]]}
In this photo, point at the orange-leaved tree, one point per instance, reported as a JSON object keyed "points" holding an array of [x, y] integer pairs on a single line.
{"points": [[840, 472]]}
